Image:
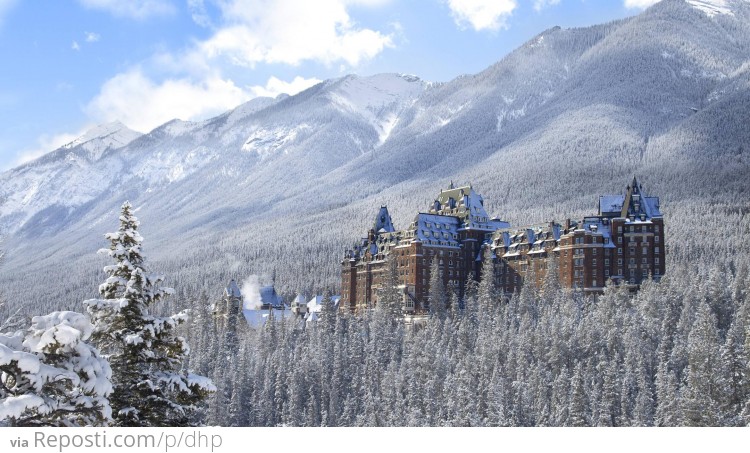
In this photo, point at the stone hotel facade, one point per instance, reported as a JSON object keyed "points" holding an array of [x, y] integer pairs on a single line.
{"points": [[624, 243]]}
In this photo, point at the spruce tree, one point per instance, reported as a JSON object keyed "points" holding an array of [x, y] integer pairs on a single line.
{"points": [[51, 376], [146, 355], [704, 384], [437, 294], [390, 300]]}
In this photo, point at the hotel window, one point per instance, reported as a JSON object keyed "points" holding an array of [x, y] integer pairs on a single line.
{"points": [[619, 251], [656, 238], [656, 260], [619, 261], [632, 261], [619, 271], [656, 250], [656, 228], [632, 250], [645, 273], [606, 272], [593, 282], [645, 250], [644, 260], [632, 272], [594, 252], [593, 262]]}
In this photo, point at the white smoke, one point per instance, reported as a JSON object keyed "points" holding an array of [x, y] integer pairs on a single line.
{"points": [[251, 293]]}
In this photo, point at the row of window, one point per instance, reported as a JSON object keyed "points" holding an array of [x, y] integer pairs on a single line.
{"points": [[641, 229]]}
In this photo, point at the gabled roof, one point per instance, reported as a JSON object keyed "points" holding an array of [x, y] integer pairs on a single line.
{"points": [[638, 204], [383, 222], [634, 203], [299, 300]]}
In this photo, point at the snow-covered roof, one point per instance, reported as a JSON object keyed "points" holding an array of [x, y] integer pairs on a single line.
{"points": [[232, 290], [436, 229], [537, 237], [268, 297], [299, 300], [611, 204], [256, 318], [634, 203], [383, 222], [468, 206], [316, 303], [595, 225]]}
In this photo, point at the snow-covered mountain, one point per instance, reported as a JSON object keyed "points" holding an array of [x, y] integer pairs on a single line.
{"points": [[284, 184], [304, 135]]}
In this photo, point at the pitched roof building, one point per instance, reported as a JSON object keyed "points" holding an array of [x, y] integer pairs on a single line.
{"points": [[624, 243]]}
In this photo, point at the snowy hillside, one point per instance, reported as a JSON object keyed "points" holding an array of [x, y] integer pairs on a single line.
{"points": [[285, 184]]}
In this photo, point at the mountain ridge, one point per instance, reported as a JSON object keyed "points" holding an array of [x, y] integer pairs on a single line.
{"points": [[284, 184]]}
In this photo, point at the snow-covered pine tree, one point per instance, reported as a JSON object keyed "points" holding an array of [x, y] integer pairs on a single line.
{"points": [[701, 398], [437, 294], [144, 351], [52, 377], [389, 296]]}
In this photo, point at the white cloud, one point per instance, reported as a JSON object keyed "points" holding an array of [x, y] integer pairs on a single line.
{"points": [[143, 104], [191, 84], [481, 14], [92, 37], [293, 31], [541, 4], [5, 6], [75, 46], [198, 13], [641, 4], [275, 87], [135, 9]]}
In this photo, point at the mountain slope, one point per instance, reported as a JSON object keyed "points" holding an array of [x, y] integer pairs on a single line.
{"points": [[285, 184]]}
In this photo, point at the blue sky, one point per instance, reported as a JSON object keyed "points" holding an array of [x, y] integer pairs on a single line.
{"points": [[68, 65]]}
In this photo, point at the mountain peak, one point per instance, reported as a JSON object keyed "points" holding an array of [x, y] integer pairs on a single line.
{"points": [[376, 91], [102, 137]]}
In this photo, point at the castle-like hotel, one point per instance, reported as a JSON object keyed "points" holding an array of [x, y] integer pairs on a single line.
{"points": [[624, 243]]}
